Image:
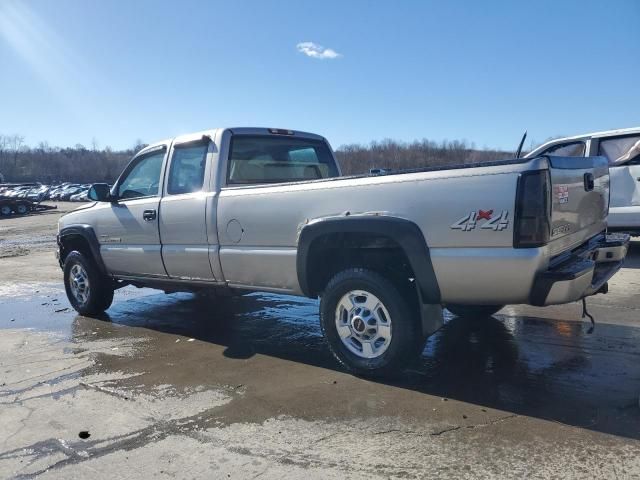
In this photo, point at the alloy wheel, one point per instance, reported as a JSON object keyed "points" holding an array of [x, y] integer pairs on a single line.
{"points": [[79, 284], [363, 324]]}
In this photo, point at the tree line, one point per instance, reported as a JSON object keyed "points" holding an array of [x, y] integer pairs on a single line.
{"points": [[391, 154], [46, 164], [79, 164]]}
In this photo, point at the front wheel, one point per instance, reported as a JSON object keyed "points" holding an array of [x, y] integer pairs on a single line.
{"points": [[369, 325], [88, 290], [470, 311]]}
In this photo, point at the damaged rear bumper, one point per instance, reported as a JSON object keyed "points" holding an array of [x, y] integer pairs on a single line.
{"points": [[582, 272]]}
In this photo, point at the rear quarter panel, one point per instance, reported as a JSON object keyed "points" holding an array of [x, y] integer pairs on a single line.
{"points": [[259, 227]]}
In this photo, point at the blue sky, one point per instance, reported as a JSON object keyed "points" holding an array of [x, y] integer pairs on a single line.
{"points": [[121, 70]]}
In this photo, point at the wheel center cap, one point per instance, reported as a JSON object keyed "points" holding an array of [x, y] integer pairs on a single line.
{"points": [[358, 324]]}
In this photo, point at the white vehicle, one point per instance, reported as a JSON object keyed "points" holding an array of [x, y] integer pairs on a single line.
{"points": [[267, 209], [622, 150]]}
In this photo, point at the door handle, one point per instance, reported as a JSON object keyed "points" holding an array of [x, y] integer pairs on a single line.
{"points": [[149, 215]]}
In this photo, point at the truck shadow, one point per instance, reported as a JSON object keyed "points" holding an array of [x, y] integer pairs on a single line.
{"points": [[529, 366], [632, 259]]}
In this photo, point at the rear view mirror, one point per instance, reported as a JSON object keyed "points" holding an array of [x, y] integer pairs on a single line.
{"points": [[99, 192]]}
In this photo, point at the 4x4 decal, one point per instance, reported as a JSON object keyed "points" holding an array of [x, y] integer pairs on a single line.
{"points": [[472, 219]]}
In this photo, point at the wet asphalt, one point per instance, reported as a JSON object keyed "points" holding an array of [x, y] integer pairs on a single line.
{"points": [[545, 368], [522, 380]]}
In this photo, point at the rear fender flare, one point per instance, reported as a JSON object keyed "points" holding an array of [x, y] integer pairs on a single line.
{"points": [[404, 232]]}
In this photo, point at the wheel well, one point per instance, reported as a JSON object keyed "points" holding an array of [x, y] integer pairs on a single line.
{"points": [[334, 252], [69, 243]]}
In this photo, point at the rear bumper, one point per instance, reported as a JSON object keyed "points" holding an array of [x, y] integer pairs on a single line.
{"points": [[582, 272]]}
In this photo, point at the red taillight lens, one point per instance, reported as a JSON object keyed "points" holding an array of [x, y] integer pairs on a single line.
{"points": [[532, 226]]}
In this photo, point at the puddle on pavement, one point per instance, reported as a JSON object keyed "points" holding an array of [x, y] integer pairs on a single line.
{"points": [[548, 369]]}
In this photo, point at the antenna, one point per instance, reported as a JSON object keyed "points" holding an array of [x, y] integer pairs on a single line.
{"points": [[519, 151]]}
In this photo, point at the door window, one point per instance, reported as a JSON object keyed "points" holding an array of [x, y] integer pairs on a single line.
{"points": [[573, 149], [621, 150], [274, 159], [186, 174], [143, 177]]}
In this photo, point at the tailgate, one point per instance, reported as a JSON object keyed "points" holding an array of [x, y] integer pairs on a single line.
{"points": [[579, 199]]}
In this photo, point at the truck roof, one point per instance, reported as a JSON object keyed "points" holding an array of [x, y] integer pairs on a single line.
{"points": [[189, 137], [601, 134]]}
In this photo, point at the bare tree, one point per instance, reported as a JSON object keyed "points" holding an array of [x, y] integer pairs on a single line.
{"points": [[15, 144], [356, 159], [45, 163], [138, 145]]}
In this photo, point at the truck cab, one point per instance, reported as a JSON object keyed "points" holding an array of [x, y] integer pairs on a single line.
{"points": [[161, 223]]}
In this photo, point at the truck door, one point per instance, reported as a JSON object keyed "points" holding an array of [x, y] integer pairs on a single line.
{"points": [[623, 154], [127, 228], [183, 212]]}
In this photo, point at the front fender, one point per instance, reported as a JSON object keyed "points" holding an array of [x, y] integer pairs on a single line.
{"points": [[87, 233]]}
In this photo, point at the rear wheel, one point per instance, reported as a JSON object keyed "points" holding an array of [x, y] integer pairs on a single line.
{"points": [[470, 311], [370, 327], [5, 210], [22, 208], [88, 290]]}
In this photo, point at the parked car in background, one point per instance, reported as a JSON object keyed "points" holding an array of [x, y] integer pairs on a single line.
{"points": [[622, 150], [71, 192], [80, 197]]}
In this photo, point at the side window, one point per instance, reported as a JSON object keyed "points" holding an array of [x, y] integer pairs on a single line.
{"points": [[186, 174], [573, 149], [621, 150], [143, 178], [255, 159]]}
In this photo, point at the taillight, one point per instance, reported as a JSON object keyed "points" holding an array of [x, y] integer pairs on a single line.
{"points": [[532, 226]]}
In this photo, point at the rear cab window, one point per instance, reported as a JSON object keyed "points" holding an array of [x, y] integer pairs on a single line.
{"points": [[260, 159], [621, 150]]}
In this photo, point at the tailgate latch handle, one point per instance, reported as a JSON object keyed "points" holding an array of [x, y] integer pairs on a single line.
{"points": [[588, 182]]}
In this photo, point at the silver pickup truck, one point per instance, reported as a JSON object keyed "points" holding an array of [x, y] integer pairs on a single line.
{"points": [[237, 209]]}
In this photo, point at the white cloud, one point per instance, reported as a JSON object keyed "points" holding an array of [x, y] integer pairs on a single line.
{"points": [[314, 50]]}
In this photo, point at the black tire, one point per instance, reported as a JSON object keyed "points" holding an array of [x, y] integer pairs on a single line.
{"points": [[5, 210], [22, 209], [101, 287], [470, 311], [407, 340]]}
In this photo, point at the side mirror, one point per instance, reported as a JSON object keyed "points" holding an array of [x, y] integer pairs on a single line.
{"points": [[99, 192]]}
